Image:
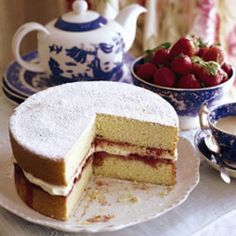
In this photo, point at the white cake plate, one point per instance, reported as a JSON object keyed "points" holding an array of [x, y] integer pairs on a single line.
{"points": [[110, 204]]}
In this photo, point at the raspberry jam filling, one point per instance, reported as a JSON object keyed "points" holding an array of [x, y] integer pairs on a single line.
{"points": [[146, 151]]}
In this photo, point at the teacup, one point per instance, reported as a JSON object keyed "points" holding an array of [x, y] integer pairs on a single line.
{"points": [[221, 120]]}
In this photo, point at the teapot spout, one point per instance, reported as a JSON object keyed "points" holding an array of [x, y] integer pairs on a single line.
{"points": [[127, 18]]}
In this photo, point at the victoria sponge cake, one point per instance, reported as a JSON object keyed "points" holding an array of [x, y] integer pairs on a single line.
{"points": [[63, 135]]}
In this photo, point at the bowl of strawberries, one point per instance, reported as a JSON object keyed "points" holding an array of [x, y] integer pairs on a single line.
{"points": [[187, 74]]}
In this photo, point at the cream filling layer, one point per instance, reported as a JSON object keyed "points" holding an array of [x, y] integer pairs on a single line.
{"points": [[57, 190], [113, 149]]}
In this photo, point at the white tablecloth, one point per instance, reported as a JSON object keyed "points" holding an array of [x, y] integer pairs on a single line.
{"points": [[209, 210]]}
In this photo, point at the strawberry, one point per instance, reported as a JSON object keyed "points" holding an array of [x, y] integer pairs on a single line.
{"points": [[197, 66], [161, 57], [212, 74], [188, 81], [184, 46], [225, 77], [227, 69], [150, 53], [201, 51], [214, 53], [146, 71], [200, 46], [164, 77], [181, 64]]}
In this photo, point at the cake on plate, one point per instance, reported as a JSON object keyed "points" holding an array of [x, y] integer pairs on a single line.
{"points": [[63, 135]]}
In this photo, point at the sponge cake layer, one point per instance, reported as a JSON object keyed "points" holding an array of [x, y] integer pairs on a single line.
{"points": [[135, 168]]}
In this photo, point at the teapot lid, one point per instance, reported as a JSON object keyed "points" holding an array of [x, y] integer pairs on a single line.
{"points": [[80, 19]]}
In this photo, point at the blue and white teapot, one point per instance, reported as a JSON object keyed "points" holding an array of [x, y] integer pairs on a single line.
{"points": [[81, 45]]}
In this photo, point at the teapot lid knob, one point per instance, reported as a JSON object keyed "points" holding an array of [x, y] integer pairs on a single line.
{"points": [[80, 6], [80, 19]]}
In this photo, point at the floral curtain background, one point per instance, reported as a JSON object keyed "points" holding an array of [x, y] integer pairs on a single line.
{"points": [[166, 20]]}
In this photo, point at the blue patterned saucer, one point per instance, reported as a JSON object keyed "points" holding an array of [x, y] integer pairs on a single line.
{"points": [[206, 153], [7, 88], [13, 98], [19, 82]]}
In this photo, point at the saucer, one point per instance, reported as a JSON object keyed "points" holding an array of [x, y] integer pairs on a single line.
{"points": [[19, 83], [6, 87], [206, 153], [13, 98]]}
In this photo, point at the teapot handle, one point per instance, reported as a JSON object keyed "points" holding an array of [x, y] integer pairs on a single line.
{"points": [[16, 42]]}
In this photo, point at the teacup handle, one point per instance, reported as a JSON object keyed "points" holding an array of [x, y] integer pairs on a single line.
{"points": [[16, 42], [203, 113]]}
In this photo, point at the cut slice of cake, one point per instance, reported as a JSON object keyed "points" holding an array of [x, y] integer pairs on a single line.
{"points": [[61, 135]]}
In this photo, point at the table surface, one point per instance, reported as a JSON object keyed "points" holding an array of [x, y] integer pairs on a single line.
{"points": [[209, 210]]}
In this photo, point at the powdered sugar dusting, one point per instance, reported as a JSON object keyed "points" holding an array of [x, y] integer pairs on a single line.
{"points": [[49, 122]]}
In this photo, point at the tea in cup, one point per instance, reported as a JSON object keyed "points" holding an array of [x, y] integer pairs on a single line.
{"points": [[227, 124]]}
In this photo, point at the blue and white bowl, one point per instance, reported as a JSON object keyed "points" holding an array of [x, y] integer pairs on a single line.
{"points": [[187, 102], [226, 140]]}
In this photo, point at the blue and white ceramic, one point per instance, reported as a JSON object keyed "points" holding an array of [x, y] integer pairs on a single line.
{"points": [[23, 83], [187, 102], [206, 153], [12, 97], [226, 140], [81, 45], [15, 92]]}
